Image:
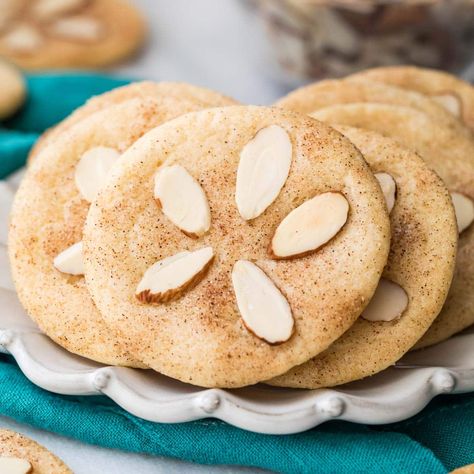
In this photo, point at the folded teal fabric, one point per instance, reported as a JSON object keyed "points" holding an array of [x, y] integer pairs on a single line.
{"points": [[50, 98], [435, 441]]}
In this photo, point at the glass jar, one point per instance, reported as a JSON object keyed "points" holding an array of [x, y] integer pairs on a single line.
{"points": [[313, 39]]}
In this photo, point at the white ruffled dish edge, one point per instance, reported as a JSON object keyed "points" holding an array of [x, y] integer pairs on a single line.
{"points": [[393, 395]]}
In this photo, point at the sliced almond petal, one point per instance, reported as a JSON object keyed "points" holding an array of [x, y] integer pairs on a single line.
{"points": [[77, 28], [450, 102], [464, 208], [263, 170], [182, 200], [310, 226], [93, 169], [168, 279], [11, 465], [389, 189], [45, 10], [388, 303], [70, 260], [264, 310], [23, 38]]}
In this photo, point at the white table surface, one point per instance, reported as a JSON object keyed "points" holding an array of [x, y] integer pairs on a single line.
{"points": [[214, 43]]}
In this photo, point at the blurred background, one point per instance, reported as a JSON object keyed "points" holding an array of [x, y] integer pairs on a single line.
{"points": [[257, 50]]}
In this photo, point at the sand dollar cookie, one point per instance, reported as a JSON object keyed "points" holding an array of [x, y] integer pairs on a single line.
{"points": [[454, 94], [48, 215], [12, 93], [21, 455], [323, 94], [160, 90], [449, 153], [205, 252], [45, 34], [415, 281]]}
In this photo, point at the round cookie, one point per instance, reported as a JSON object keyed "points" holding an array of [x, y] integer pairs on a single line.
{"points": [[456, 95], [449, 153], [469, 469], [48, 215], [48, 34], [13, 92], [326, 93], [161, 90], [207, 333], [40, 460], [421, 261]]}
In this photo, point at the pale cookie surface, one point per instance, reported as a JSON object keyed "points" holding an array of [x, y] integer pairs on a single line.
{"points": [[421, 263], [326, 93], [41, 461], [449, 154], [456, 95], [48, 215], [45, 34], [12, 91], [160, 90], [212, 332]]}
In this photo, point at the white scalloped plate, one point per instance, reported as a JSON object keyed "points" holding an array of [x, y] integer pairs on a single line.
{"points": [[393, 395]]}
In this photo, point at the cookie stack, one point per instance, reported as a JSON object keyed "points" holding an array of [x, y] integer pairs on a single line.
{"points": [[310, 244]]}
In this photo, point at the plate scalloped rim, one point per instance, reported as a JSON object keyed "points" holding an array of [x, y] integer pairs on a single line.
{"points": [[393, 395]]}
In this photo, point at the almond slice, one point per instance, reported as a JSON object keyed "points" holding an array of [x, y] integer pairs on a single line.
{"points": [[263, 170], [167, 279], [23, 39], [464, 208], [389, 189], [182, 200], [310, 226], [11, 465], [45, 10], [388, 302], [264, 310], [450, 102], [70, 260], [77, 28], [92, 170]]}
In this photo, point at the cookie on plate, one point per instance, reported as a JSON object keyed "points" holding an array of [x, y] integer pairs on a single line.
{"points": [[12, 93], [49, 34], [449, 153], [323, 94], [456, 95], [48, 215], [22, 455], [202, 252], [179, 91], [415, 281]]}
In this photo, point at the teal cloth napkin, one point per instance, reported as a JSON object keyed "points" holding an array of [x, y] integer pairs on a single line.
{"points": [[439, 439]]}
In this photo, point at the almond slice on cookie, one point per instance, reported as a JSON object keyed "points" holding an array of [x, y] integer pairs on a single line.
{"points": [[389, 189], [263, 170], [450, 101], [388, 303], [93, 169], [310, 225], [70, 260], [182, 200], [168, 279], [12, 465], [464, 208], [264, 310]]}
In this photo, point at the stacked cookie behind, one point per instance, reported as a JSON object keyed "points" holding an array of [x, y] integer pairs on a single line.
{"points": [[164, 226], [53, 34], [21, 455]]}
